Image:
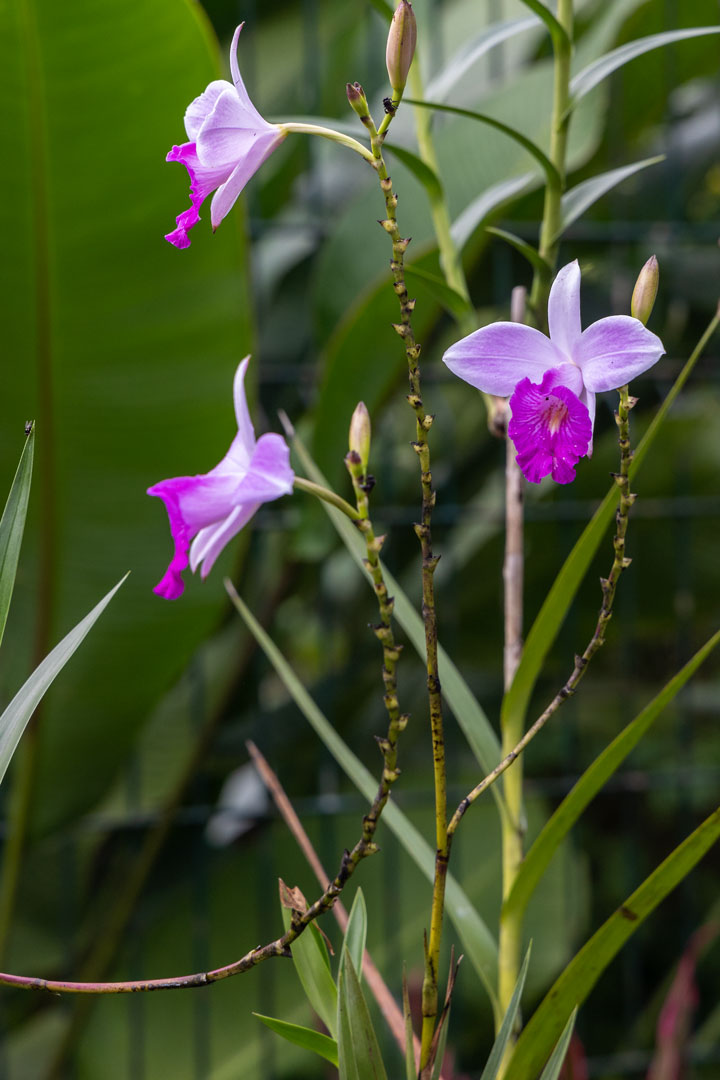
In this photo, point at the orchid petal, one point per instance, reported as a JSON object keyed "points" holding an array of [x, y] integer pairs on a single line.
{"points": [[226, 195], [497, 357], [235, 73], [198, 110], [550, 428], [230, 131], [203, 180], [564, 309], [210, 541], [614, 350]]}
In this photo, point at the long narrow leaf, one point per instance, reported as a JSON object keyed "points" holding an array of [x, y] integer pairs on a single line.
{"points": [[12, 526], [309, 1039], [532, 148], [557, 1058], [475, 212], [557, 30], [477, 941], [557, 603], [358, 1049], [453, 301], [593, 779], [422, 172], [578, 199], [531, 253], [461, 61], [356, 932], [17, 715], [506, 1028], [587, 79], [410, 1064], [467, 711], [584, 970], [309, 954]]}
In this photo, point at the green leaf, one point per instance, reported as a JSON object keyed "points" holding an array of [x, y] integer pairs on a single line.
{"points": [[309, 953], [557, 30], [12, 526], [551, 173], [383, 8], [584, 970], [461, 61], [105, 323], [16, 716], [422, 172], [577, 200], [356, 932], [591, 782], [477, 941], [358, 1050], [442, 1043], [587, 79], [410, 1065], [508, 1023], [302, 1036], [467, 711], [480, 208], [449, 298], [557, 1058], [531, 253], [550, 618]]}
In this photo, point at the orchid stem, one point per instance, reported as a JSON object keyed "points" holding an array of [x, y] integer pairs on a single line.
{"points": [[327, 496], [423, 423], [513, 823], [608, 586], [329, 133]]}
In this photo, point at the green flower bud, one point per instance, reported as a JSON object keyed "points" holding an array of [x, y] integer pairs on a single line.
{"points": [[401, 46], [357, 99], [359, 439], [645, 291]]}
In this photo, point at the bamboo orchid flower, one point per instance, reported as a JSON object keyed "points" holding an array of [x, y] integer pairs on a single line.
{"points": [[207, 511], [229, 141], [552, 381]]}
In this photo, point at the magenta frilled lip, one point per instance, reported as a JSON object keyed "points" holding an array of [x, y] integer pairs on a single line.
{"points": [[229, 141], [207, 511], [512, 359]]}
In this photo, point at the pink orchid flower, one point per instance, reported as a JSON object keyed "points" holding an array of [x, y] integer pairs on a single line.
{"points": [[207, 511], [229, 142], [553, 380]]}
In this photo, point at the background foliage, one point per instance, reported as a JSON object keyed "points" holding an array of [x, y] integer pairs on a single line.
{"points": [[123, 350]]}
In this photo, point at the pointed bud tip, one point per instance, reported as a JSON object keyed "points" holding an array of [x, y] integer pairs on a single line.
{"points": [[360, 432], [401, 43], [645, 291]]}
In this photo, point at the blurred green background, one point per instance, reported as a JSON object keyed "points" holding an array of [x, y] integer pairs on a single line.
{"points": [[123, 350]]}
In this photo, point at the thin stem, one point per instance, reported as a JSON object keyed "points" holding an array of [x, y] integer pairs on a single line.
{"points": [[423, 423], [379, 988], [329, 133], [609, 587], [513, 824], [326, 495]]}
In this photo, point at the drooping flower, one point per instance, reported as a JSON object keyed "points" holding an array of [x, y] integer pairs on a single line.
{"points": [[553, 380], [207, 511], [229, 141]]}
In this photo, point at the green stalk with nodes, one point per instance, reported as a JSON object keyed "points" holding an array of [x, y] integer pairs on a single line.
{"points": [[401, 45]]}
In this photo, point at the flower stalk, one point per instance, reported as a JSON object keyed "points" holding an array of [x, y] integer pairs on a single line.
{"points": [[513, 823], [423, 530]]}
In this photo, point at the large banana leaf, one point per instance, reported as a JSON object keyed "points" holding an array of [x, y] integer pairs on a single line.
{"points": [[120, 346]]}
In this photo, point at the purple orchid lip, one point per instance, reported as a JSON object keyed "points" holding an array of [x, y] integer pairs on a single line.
{"points": [[206, 511], [229, 141], [501, 357]]}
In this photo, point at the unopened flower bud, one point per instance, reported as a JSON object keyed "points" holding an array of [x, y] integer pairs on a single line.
{"points": [[357, 99], [645, 291], [401, 46], [359, 439]]}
